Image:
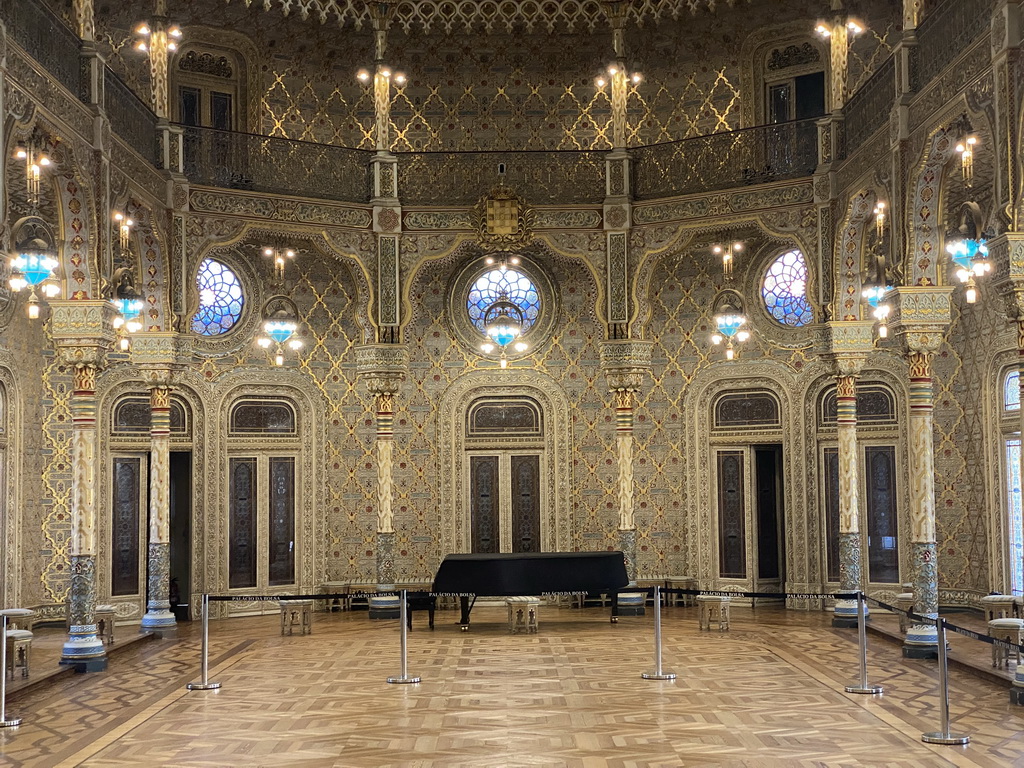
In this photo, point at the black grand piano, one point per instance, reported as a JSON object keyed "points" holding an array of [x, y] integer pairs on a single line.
{"points": [[528, 573]]}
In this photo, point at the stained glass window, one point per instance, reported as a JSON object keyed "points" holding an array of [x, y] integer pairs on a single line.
{"points": [[507, 283], [1011, 391], [220, 299], [785, 290]]}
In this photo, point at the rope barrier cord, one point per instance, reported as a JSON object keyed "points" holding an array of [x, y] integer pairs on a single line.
{"points": [[958, 629]]}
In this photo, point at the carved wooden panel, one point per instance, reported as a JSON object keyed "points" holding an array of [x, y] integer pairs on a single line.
{"points": [[483, 472], [883, 538], [732, 551], [830, 464], [281, 554], [124, 547], [526, 503], [242, 523]]}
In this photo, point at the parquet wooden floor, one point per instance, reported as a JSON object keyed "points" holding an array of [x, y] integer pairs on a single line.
{"points": [[768, 693]]}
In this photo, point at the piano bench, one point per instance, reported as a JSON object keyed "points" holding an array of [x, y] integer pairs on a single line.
{"points": [[522, 614]]}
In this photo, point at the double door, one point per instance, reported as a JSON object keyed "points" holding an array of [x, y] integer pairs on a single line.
{"points": [[505, 501], [750, 517]]}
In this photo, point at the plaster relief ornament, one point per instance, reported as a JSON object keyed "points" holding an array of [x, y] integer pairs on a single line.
{"points": [[502, 220]]}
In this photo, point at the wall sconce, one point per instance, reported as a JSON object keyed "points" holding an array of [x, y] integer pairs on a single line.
{"points": [[279, 328], [35, 159], [728, 254], [730, 323], [144, 34], [967, 139], [280, 257]]}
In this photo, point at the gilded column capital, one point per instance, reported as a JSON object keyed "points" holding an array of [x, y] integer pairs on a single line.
{"points": [[625, 362], [382, 367], [1006, 254], [82, 330], [921, 316], [161, 355], [848, 344]]}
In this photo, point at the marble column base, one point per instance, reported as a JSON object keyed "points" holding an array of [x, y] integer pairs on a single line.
{"points": [[158, 618], [921, 642], [386, 560], [83, 650], [845, 615], [1017, 691], [627, 543]]}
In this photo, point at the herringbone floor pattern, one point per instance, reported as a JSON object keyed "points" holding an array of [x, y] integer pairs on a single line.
{"points": [[768, 693]]}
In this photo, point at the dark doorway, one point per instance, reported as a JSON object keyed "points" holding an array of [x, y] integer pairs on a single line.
{"points": [[180, 500]]}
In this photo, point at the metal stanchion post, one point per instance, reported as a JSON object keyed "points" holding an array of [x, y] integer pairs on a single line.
{"points": [[943, 736], [657, 674], [5, 721], [862, 637], [205, 684], [402, 614]]}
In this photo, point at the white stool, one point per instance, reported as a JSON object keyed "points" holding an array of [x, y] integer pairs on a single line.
{"points": [[713, 608], [1010, 630], [522, 614], [297, 613], [998, 606], [19, 651]]}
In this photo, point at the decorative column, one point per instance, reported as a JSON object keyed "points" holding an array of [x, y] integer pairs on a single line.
{"points": [[159, 355], [921, 317], [83, 12], [625, 362], [82, 332], [158, 65], [851, 341], [383, 368]]}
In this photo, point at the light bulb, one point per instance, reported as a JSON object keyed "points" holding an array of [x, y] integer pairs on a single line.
{"points": [[33, 311], [636, 78], [823, 30], [743, 335], [599, 82], [278, 359], [730, 353], [295, 344], [613, 70], [172, 46], [521, 346], [142, 29], [17, 282], [971, 294], [21, 151], [264, 342], [363, 75], [118, 322], [124, 343], [174, 31], [504, 363], [716, 338], [141, 46], [514, 261], [883, 331], [133, 326], [400, 78], [385, 72], [487, 348]]}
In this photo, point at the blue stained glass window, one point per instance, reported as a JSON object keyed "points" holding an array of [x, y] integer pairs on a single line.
{"points": [[503, 283], [1011, 391], [220, 299], [785, 290]]}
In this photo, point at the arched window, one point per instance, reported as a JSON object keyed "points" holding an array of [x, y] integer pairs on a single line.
{"points": [[1011, 390], [503, 283], [784, 290], [747, 409], [132, 416], [495, 417], [262, 417], [220, 299], [875, 405]]}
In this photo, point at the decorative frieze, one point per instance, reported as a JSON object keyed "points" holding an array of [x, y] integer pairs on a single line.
{"points": [[625, 363], [382, 367]]}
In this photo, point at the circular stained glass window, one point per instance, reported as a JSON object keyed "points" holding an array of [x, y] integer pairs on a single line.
{"points": [[785, 290], [220, 299], [503, 283]]}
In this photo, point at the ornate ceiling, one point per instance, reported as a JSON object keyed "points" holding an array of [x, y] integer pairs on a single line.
{"points": [[453, 16]]}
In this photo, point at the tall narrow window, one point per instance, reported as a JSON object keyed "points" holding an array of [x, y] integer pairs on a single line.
{"points": [[830, 457], [207, 86], [883, 550], [281, 550], [124, 549], [1016, 516], [242, 525]]}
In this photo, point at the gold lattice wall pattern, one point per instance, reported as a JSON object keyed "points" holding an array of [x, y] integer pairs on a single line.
{"points": [[489, 91]]}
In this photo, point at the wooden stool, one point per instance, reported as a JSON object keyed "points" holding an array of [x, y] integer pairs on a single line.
{"points": [[998, 606], [522, 614], [680, 582], [1010, 630], [713, 608], [384, 606], [297, 613], [905, 602], [19, 651], [630, 603], [105, 617]]}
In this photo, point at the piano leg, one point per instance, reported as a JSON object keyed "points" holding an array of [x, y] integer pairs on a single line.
{"points": [[465, 608]]}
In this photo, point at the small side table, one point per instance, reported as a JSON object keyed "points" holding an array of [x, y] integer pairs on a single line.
{"points": [[713, 609], [296, 613], [522, 614]]}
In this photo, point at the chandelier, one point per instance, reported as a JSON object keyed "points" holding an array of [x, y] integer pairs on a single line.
{"points": [[33, 268], [35, 160], [730, 323], [503, 324], [968, 250], [279, 329]]}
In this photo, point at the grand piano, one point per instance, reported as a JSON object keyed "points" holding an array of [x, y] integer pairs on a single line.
{"points": [[528, 573]]}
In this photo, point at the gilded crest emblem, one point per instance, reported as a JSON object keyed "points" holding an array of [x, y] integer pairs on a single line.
{"points": [[502, 220]]}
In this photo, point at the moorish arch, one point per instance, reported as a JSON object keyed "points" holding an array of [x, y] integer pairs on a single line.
{"points": [[556, 483]]}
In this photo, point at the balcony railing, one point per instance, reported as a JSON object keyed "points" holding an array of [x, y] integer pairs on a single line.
{"points": [[270, 164], [46, 38], [462, 178], [869, 108], [726, 160], [945, 32], [130, 117]]}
